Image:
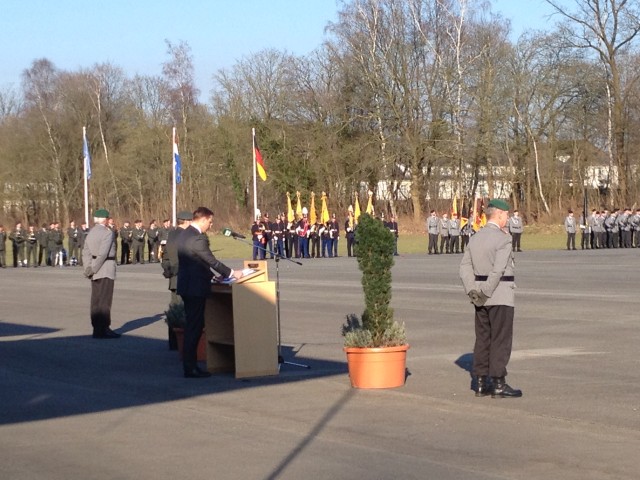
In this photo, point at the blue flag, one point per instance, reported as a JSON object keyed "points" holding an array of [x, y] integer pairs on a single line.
{"points": [[176, 161], [85, 153]]}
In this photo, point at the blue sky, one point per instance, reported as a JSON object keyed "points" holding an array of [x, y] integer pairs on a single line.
{"points": [[130, 34]]}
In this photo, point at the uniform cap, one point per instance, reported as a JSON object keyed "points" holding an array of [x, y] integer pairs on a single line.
{"points": [[499, 204], [185, 215], [304, 210], [101, 213]]}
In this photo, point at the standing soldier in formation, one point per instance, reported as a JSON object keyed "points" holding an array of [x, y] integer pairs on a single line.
{"points": [[443, 231], [56, 240], [466, 231], [293, 249], [600, 231], [268, 235], [570, 228], [350, 229], [636, 229], [99, 258], [303, 231], [392, 225], [73, 238], [585, 231], [18, 238], [257, 238], [432, 230], [625, 225], [163, 236], [591, 223], [334, 234], [314, 239], [515, 229], [278, 235], [137, 241], [3, 247], [153, 243], [487, 273], [610, 228], [82, 237], [43, 240], [126, 238], [325, 240], [454, 234], [32, 246]]}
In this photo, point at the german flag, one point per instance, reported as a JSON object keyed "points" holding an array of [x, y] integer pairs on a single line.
{"points": [[259, 160]]}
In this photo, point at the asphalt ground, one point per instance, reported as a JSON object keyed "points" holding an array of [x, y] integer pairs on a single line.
{"points": [[72, 407]]}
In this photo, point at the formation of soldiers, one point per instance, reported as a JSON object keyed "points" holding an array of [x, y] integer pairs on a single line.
{"points": [[49, 245], [301, 238], [604, 229]]}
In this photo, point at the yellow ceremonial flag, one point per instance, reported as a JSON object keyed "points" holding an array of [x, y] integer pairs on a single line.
{"points": [[324, 212], [312, 209], [298, 206], [369, 209], [454, 208], [290, 215], [357, 212]]}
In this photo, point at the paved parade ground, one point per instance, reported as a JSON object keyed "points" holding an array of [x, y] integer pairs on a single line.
{"points": [[72, 407]]}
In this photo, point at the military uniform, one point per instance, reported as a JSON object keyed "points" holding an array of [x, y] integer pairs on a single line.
{"points": [[137, 243], [443, 231], [42, 237], [432, 230], [3, 248], [454, 235], [487, 273], [82, 237], [570, 228], [350, 229], [392, 226], [515, 230], [73, 239], [99, 258], [126, 237], [18, 238], [32, 247], [153, 242], [56, 240]]}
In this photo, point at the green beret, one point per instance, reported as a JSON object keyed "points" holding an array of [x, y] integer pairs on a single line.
{"points": [[185, 215], [101, 213], [499, 204]]}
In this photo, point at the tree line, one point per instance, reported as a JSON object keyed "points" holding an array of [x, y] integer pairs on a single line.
{"points": [[416, 100]]}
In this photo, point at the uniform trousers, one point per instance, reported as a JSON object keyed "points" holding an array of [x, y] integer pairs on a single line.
{"points": [[194, 312], [101, 300], [137, 254], [494, 337], [515, 241], [433, 243]]}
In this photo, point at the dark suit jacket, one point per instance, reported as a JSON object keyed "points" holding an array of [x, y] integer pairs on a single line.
{"points": [[196, 261]]}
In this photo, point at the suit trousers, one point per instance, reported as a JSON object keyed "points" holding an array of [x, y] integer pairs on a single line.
{"points": [[101, 300], [494, 336], [194, 311]]}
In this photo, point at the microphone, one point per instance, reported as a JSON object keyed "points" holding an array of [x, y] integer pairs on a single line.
{"points": [[227, 232]]}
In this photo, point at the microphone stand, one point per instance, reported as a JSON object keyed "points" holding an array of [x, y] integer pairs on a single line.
{"points": [[277, 258]]}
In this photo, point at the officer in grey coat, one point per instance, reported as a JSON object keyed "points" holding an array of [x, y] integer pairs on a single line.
{"points": [[570, 226], [432, 230], [487, 273], [99, 259], [454, 234]]}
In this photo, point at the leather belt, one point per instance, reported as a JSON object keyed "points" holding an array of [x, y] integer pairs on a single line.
{"points": [[484, 278]]}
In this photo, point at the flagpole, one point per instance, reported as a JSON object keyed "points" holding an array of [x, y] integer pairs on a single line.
{"points": [[173, 177], [85, 174], [255, 183]]}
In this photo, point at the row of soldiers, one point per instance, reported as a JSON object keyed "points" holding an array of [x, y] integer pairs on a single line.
{"points": [[34, 247], [604, 229], [302, 238], [45, 246], [454, 233], [134, 238]]}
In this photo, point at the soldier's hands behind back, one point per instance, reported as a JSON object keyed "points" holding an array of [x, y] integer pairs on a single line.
{"points": [[473, 296]]}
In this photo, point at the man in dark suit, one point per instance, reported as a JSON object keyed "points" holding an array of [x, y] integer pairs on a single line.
{"points": [[197, 265]]}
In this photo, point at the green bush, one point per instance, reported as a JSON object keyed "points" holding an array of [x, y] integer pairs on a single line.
{"points": [[375, 247]]}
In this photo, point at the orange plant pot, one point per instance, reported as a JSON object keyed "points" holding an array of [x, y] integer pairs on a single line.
{"points": [[383, 367], [202, 345]]}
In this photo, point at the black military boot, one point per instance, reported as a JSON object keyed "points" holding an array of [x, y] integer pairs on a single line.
{"points": [[483, 386], [502, 390]]}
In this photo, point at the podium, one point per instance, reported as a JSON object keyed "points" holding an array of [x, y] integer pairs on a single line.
{"points": [[240, 325]]}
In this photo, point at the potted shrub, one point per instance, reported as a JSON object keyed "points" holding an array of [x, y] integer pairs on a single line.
{"points": [[176, 318], [376, 345]]}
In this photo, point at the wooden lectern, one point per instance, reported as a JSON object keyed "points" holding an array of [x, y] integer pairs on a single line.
{"points": [[240, 325]]}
